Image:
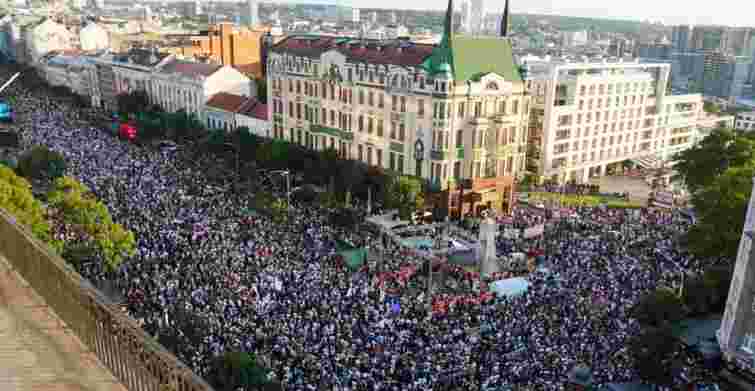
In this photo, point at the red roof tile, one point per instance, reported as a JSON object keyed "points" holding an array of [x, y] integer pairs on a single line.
{"points": [[253, 108], [228, 102], [250, 69], [396, 52], [260, 111]]}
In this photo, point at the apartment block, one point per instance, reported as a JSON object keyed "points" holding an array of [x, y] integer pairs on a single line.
{"points": [[453, 111], [589, 116]]}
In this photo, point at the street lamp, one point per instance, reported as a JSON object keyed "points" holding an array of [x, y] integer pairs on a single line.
{"points": [[287, 174]]}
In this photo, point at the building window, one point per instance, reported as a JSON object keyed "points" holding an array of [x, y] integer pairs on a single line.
{"points": [[371, 98], [380, 100], [459, 138], [360, 152], [462, 106], [380, 128], [401, 132], [392, 161], [420, 108], [403, 104], [394, 102], [361, 97], [379, 157]]}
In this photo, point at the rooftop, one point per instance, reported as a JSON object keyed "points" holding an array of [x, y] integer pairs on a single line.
{"points": [[471, 55], [393, 52], [189, 68], [142, 57], [227, 102]]}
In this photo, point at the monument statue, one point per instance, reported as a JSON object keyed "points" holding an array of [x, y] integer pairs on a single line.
{"points": [[488, 232]]}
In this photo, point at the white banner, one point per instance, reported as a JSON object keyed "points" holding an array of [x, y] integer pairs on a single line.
{"points": [[511, 233], [533, 232]]}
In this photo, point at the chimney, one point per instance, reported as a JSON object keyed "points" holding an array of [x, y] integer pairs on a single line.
{"points": [[505, 21]]}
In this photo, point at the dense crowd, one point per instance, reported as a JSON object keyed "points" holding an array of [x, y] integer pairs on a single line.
{"points": [[225, 278]]}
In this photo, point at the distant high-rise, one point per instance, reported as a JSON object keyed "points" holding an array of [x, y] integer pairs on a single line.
{"points": [[466, 16], [477, 16], [394, 18], [251, 17], [373, 17], [680, 38], [355, 15], [708, 38]]}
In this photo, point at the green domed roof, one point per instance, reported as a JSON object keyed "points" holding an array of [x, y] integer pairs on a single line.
{"points": [[443, 67]]}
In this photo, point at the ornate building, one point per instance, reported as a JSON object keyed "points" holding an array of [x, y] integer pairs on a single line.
{"points": [[445, 112]]}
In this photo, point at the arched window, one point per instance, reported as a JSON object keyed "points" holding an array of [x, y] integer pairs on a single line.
{"points": [[492, 86]]}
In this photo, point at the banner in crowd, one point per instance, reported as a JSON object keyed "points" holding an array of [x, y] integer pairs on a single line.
{"points": [[533, 232], [663, 199], [511, 233]]}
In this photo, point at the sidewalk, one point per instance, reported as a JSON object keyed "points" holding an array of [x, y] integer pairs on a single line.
{"points": [[36, 353]]}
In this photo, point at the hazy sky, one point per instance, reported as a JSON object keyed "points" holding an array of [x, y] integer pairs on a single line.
{"points": [[725, 12]]}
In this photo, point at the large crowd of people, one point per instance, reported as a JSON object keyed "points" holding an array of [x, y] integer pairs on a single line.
{"points": [[222, 278]]}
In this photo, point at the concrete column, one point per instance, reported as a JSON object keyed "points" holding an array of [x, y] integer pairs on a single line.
{"points": [[585, 175]]}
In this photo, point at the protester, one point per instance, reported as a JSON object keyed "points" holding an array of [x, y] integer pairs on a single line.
{"points": [[223, 279]]}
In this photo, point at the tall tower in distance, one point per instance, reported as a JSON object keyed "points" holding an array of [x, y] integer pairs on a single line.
{"points": [[737, 333], [252, 13], [477, 16], [466, 16]]}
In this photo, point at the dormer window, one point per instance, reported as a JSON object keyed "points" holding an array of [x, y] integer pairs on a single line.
{"points": [[492, 86]]}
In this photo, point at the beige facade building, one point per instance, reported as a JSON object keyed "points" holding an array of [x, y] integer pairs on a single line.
{"points": [[588, 117], [457, 110]]}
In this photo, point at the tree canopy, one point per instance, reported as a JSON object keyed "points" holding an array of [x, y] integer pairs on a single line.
{"points": [[720, 208], [722, 149], [41, 162], [405, 194], [73, 207], [17, 199]]}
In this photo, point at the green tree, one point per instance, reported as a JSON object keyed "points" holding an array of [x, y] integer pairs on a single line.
{"points": [[405, 194], [16, 198], [133, 102], [711, 107], [659, 308], [723, 148], [41, 162], [261, 90], [720, 208], [652, 350], [350, 173], [235, 370], [72, 205]]}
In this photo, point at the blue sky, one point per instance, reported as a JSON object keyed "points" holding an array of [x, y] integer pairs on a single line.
{"points": [[725, 12]]}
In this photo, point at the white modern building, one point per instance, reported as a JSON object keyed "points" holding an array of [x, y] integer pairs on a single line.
{"points": [[355, 15], [94, 37], [745, 121], [736, 335], [589, 116]]}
